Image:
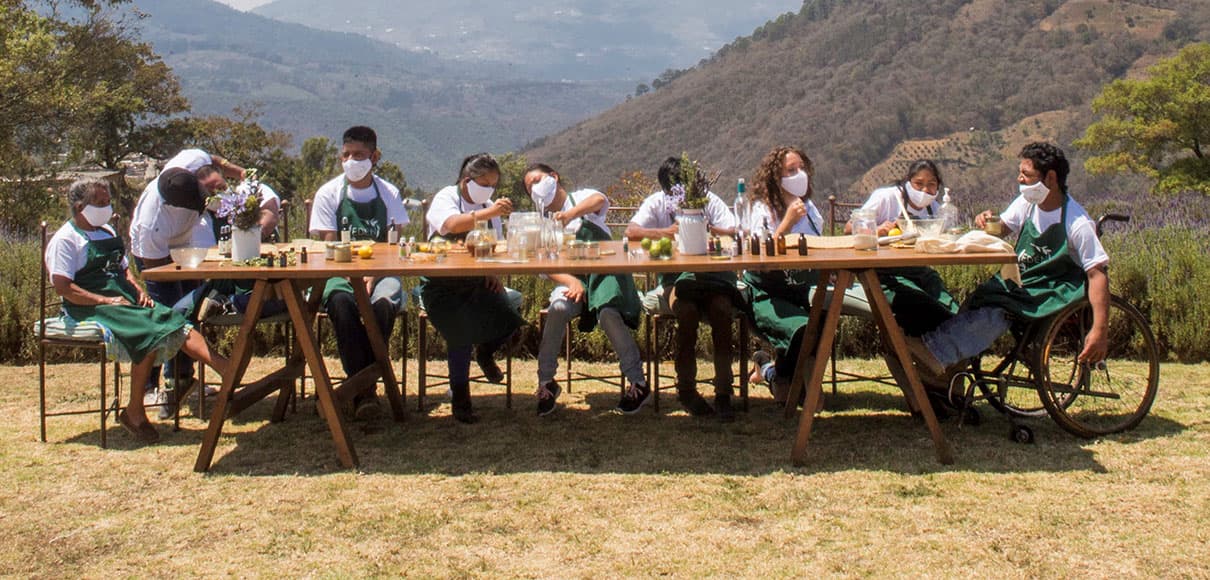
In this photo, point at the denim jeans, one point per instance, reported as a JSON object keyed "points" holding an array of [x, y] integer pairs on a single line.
{"points": [[967, 334], [351, 339], [562, 311], [169, 294]]}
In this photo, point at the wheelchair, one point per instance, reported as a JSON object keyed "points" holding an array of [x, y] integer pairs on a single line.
{"points": [[1040, 358]]}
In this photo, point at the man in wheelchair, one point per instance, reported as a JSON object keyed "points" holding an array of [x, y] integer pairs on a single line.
{"points": [[1060, 257]]}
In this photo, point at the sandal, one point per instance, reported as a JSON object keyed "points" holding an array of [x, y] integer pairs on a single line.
{"points": [[144, 433]]}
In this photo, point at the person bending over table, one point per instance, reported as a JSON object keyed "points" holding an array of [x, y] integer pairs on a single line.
{"points": [[782, 192], [88, 268], [1060, 257], [610, 300], [918, 297], [171, 213], [470, 311], [690, 296], [366, 205]]}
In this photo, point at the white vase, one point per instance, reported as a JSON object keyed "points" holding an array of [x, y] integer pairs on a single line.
{"points": [[692, 232], [245, 244]]}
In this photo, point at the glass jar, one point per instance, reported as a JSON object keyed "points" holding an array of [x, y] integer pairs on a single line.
{"points": [[865, 230], [481, 241]]}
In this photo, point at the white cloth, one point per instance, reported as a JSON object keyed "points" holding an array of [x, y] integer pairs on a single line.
{"points": [[886, 201], [67, 250], [448, 203], [761, 213], [190, 160], [1082, 241], [597, 218], [656, 213], [326, 205], [158, 226], [973, 242]]}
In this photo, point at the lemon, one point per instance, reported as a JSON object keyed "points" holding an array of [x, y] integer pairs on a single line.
{"points": [[895, 232], [365, 251]]}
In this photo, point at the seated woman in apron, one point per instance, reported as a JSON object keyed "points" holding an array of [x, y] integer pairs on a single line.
{"points": [[88, 268], [1061, 261], [367, 207], [608, 299], [693, 296], [918, 297], [470, 311], [781, 299]]}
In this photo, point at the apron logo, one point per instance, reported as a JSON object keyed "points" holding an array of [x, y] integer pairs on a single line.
{"points": [[1036, 255], [369, 229], [113, 265]]}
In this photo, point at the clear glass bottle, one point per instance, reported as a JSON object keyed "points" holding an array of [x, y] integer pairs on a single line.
{"points": [[481, 241], [951, 224]]}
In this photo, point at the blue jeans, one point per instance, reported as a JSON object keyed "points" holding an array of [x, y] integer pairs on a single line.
{"points": [[170, 294], [967, 334]]}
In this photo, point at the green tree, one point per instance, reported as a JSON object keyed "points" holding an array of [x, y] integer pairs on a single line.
{"points": [[1158, 126]]}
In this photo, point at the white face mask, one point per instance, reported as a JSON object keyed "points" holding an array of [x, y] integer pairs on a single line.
{"points": [[357, 170], [97, 216], [543, 192], [1035, 193], [797, 184], [478, 193], [919, 198]]}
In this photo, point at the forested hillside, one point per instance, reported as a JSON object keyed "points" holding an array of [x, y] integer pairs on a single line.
{"points": [[852, 80]]}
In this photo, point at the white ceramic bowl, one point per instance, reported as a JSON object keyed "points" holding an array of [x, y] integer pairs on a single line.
{"points": [[188, 257]]}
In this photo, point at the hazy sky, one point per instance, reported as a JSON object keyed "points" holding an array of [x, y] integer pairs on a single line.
{"points": [[244, 4]]}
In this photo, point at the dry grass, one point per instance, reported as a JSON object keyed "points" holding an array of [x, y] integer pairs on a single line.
{"points": [[586, 493]]}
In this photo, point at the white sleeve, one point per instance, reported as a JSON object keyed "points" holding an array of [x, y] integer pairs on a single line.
{"points": [[1014, 217], [645, 216], [64, 257], [395, 209], [720, 215], [323, 210], [266, 194], [443, 207], [884, 205], [1084, 244]]}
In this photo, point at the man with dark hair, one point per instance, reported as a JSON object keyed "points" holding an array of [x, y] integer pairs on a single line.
{"points": [[1061, 260], [691, 297], [368, 207]]}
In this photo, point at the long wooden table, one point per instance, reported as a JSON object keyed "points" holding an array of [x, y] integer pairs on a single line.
{"points": [[846, 265]]}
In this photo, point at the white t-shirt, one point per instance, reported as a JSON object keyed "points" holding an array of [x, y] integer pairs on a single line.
{"points": [[158, 226], [886, 202], [1082, 241], [656, 213], [190, 160], [67, 250], [811, 225], [448, 203], [597, 218], [326, 205]]}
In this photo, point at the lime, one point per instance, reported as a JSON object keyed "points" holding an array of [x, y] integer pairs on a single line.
{"points": [[654, 252], [666, 246], [645, 244]]}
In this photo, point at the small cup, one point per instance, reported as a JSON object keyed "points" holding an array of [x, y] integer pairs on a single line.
{"points": [[344, 252]]}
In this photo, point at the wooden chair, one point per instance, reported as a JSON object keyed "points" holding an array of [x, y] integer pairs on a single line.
{"points": [[54, 332]]}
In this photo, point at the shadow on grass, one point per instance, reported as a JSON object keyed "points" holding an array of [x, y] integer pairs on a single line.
{"points": [[861, 430]]}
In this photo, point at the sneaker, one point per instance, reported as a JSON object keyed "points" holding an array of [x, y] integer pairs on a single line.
{"points": [[634, 398], [924, 356], [760, 358], [367, 408], [166, 399], [491, 371], [548, 394], [694, 403], [209, 307]]}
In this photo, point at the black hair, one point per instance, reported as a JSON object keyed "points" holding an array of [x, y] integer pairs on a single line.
{"points": [[80, 192], [179, 188], [922, 165], [361, 134], [477, 165], [206, 171], [670, 173], [544, 168], [1046, 158]]}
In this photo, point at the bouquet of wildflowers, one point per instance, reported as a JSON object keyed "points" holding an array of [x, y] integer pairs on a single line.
{"points": [[240, 207], [691, 187]]}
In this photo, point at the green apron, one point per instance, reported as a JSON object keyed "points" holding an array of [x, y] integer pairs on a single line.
{"points": [[918, 297], [139, 330], [1050, 279], [615, 291], [462, 309], [780, 303], [367, 222]]}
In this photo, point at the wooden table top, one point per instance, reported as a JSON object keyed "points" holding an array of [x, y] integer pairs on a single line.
{"points": [[386, 262]]}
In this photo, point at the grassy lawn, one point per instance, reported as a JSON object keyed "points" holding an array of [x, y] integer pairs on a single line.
{"points": [[587, 493]]}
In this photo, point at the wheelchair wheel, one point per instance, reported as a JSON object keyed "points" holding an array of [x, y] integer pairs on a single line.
{"points": [[1006, 381], [1108, 397]]}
